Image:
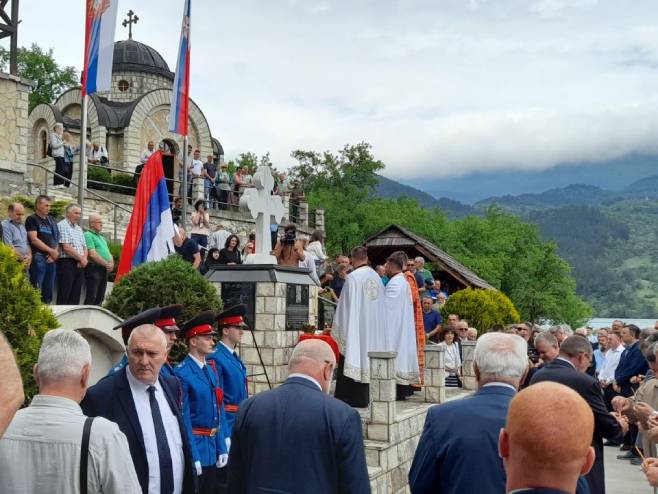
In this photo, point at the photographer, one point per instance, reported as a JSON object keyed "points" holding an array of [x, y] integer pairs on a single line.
{"points": [[288, 250]]}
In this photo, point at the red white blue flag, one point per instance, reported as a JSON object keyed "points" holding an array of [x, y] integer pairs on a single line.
{"points": [[99, 45], [150, 232], [181, 91]]}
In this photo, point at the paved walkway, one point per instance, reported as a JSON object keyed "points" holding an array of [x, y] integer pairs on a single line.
{"points": [[623, 478]]}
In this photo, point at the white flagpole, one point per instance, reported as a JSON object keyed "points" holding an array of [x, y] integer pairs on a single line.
{"points": [[82, 175], [184, 184]]}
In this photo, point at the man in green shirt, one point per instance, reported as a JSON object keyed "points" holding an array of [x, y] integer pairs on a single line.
{"points": [[100, 263]]}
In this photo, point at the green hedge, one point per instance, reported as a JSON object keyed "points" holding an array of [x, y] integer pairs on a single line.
{"points": [[23, 317], [101, 179], [483, 309], [171, 281]]}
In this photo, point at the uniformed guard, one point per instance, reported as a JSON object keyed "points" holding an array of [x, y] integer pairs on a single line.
{"points": [[230, 369], [162, 317], [202, 401]]}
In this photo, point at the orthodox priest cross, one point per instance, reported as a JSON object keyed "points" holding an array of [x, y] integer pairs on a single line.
{"points": [[132, 19], [262, 205]]}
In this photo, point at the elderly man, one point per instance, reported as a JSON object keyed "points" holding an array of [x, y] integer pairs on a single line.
{"points": [[425, 273], [472, 334], [448, 453], [14, 233], [43, 234], [301, 428], [569, 369], [547, 347], [100, 263], [561, 333], [41, 450], [150, 149], [538, 456], [11, 385], [73, 259], [146, 405], [56, 148]]}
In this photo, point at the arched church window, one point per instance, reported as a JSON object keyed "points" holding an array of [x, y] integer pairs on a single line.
{"points": [[123, 85], [43, 144]]}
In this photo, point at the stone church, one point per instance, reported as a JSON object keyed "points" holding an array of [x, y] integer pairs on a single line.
{"points": [[133, 112]]}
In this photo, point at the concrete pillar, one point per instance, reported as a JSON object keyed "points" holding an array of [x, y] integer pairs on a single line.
{"points": [[319, 219], [382, 395], [303, 213], [435, 390], [468, 370]]}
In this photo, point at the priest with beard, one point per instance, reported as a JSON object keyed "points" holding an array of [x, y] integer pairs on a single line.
{"points": [[358, 328], [400, 325]]}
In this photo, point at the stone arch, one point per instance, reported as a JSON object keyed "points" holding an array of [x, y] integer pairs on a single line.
{"points": [[95, 325], [42, 119], [158, 101]]}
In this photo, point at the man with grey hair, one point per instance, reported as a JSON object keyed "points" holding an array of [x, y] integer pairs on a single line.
{"points": [[11, 384], [56, 148], [561, 333], [14, 233], [307, 431], [146, 405], [41, 450], [569, 369], [426, 273], [73, 259], [448, 453], [100, 263]]}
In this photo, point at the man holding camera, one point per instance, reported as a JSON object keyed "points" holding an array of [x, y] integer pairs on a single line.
{"points": [[288, 250]]}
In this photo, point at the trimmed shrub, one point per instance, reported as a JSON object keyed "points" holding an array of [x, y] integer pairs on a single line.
{"points": [[123, 184], [98, 178], [483, 309], [156, 284], [23, 317]]}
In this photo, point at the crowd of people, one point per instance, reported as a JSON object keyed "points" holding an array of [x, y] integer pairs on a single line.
{"points": [[60, 254]]}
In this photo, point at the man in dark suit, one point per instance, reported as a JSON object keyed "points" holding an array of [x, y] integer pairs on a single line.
{"points": [[458, 449], [631, 363], [146, 406], [569, 369], [297, 438], [539, 447]]}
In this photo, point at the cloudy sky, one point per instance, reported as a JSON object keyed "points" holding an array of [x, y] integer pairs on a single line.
{"points": [[438, 87]]}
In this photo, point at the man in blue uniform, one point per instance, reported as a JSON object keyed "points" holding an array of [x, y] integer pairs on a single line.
{"points": [[162, 317], [231, 372], [202, 401]]}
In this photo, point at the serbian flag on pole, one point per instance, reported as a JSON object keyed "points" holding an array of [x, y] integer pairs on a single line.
{"points": [[151, 229], [99, 45], [181, 89]]}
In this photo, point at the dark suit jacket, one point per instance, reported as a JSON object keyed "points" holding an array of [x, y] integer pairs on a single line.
{"points": [[458, 449], [297, 439], [605, 425], [111, 398], [631, 363]]}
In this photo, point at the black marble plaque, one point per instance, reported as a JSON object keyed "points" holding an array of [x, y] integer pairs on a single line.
{"points": [[296, 306], [234, 293]]}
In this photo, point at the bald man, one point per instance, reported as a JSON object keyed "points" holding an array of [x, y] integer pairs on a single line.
{"points": [[100, 262], [297, 438], [541, 451], [146, 405]]}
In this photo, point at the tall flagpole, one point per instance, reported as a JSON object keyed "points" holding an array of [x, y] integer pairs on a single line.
{"points": [[184, 183], [82, 175]]}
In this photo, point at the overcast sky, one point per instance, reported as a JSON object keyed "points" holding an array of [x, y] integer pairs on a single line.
{"points": [[438, 87]]}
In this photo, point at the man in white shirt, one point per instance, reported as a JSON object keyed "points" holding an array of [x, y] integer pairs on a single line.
{"points": [[615, 349], [98, 155], [41, 449], [218, 238], [147, 407], [150, 149]]}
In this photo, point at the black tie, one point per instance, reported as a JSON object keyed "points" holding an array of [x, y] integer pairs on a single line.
{"points": [[164, 454]]}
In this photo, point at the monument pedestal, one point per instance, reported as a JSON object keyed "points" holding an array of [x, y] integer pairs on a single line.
{"points": [[280, 300]]}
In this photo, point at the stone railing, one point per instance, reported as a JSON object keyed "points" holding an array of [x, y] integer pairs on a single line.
{"points": [[468, 369]]}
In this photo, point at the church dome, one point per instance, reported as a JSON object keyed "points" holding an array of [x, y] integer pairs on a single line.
{"points": [[133, 56]]}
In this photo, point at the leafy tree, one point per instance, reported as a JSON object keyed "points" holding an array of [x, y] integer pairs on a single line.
{"points": [[23, 317], [40, 66], [483, 309]]}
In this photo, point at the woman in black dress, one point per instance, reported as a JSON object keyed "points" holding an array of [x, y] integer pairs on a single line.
{"points": [[230, 254]]}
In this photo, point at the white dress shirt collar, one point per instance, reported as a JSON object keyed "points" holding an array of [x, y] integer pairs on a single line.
{"points": [[197, 361], [500, 384], [308, 378], [137, 385], [231, 350]]}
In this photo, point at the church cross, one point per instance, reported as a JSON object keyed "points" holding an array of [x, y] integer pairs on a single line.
{"points": [[132, 19], [262, 205]]}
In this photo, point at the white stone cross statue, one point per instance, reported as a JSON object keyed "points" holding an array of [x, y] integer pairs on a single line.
{"points": [[262, 205]]}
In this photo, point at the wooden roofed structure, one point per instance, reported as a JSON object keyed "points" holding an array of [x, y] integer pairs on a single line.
{"points": [[453, 275]]}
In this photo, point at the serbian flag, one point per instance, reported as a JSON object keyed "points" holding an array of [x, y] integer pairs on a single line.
{"points": [[151, 228], [99, 45], [181, 90]]}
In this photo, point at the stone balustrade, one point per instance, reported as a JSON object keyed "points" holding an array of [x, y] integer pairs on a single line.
{"points": [[435, 389], [468, 369]]}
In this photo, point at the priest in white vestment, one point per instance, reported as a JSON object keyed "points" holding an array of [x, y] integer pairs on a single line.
{"points": [[400, 325], [358, 328]]}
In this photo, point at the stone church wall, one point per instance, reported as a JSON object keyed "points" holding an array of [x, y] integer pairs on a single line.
{"points": [[14, 133], [138, 84]]}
